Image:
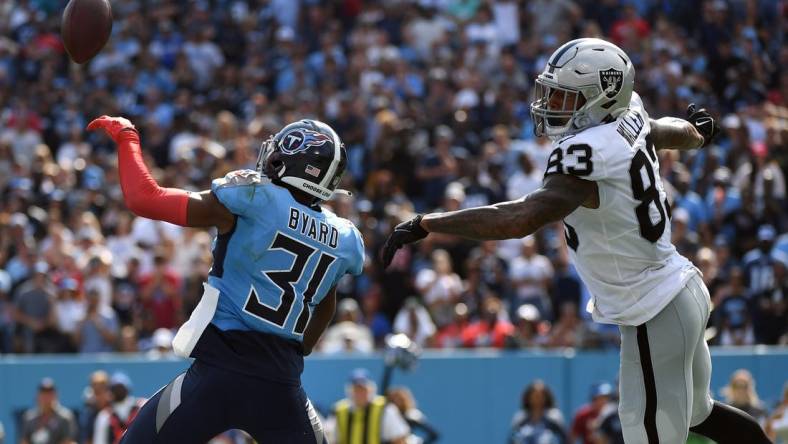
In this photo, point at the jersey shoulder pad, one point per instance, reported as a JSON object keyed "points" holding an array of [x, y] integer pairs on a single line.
{"points": [[237, 178], [236, 190]]}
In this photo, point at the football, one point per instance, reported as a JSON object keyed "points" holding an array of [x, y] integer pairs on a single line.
{"points": [[85, 28]]}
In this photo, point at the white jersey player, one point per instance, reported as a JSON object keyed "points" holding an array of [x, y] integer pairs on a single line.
{"points": [[602, 180]]}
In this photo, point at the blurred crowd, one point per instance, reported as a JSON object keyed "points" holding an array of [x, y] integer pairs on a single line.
{"points": [[539, 419], [108, 406], [431, 99]]}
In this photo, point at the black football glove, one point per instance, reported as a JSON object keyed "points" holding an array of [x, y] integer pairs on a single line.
{"points": [[404, 233], [703, 122]]}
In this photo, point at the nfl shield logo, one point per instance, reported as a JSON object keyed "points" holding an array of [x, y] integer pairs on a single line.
{"points": [[611, 80]]}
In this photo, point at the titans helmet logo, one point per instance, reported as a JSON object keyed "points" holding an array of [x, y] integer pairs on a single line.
{"points": [[301, 139], [611, 80]]}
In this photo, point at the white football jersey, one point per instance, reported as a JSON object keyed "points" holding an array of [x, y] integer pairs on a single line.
{"points": [[622, 250]]}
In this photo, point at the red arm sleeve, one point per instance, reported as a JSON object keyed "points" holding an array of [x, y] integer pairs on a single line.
{"points": [[144, 197]]}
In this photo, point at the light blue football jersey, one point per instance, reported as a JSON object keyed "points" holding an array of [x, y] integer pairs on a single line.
{"points": [[280, 260]]}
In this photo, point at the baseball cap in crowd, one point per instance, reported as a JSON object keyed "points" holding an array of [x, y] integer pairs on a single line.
{"points": [[70, 284], [601, 389], [120, 378], [347, 305], [18, 220], [41, 267], [46, 384], [766, 233], [528, 312], [162, 338], [722, 175], [360, 376]]}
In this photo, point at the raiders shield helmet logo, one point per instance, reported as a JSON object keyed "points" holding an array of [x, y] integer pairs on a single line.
{"points": [[611, 80]]}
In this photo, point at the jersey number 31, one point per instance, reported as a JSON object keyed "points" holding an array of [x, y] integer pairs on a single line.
{"points": [[285, 280]]}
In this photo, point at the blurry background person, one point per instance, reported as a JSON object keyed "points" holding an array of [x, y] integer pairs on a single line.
{"points": [[48, 422], [583, 422], [777, 424], [414, 320], [538, 419], [364, 417], [422, 432], [35, 313], [98, 330], [96, 397], [740, 393], [114, 419], [528, 329], [348, 334]]}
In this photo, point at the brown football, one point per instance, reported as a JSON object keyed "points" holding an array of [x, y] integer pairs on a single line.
{"points": [[85, 28]]}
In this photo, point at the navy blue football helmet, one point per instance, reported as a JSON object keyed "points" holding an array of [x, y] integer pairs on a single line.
{"points": [[307, 155]]}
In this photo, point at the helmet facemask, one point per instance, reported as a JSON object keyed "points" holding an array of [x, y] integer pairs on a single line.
{"points": [[556, 110]]}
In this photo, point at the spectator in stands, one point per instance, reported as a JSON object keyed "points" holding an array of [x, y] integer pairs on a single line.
{"points": [[364, 410], [759, 263], [35, 314], [48, 422], [770, 307], [538, 419], [450, 336], [531, 274], [161, 344], [740, 393], [440, 287], [529, 330], [492, 327], [568, 330], [733, 315], [160, 299], [348, 334], [422, 432], [96, 397], [69, 310], [128, 342], [585, 417], [98, 330], [113, 420], [414, 320], [777, 424], [606, 428]]}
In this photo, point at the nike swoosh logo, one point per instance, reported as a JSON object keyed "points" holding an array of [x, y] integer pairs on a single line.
{"points": [[703, 122]]}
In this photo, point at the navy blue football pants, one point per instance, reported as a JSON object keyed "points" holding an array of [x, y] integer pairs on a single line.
{"points": [[206, 401]]}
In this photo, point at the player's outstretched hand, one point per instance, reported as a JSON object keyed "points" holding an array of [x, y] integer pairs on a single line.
{"points": [[111, 125], [703, 122], [404, 233]]}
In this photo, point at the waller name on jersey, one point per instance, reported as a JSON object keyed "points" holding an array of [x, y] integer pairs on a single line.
{"points": [[317, 230]]}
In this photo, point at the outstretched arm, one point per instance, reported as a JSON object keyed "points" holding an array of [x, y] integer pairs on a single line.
{"points": [[145, 198], [674, 134], [559, 195]]}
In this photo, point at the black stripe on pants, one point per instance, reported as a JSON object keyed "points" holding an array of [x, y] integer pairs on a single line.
{"points": [[650, 416]]}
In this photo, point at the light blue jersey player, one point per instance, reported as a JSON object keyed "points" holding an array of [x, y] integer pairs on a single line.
{"points": [[280, 260], [269, 296]]}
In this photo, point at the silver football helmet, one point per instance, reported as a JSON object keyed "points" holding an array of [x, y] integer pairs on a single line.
{"points": [[586, 82]]}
